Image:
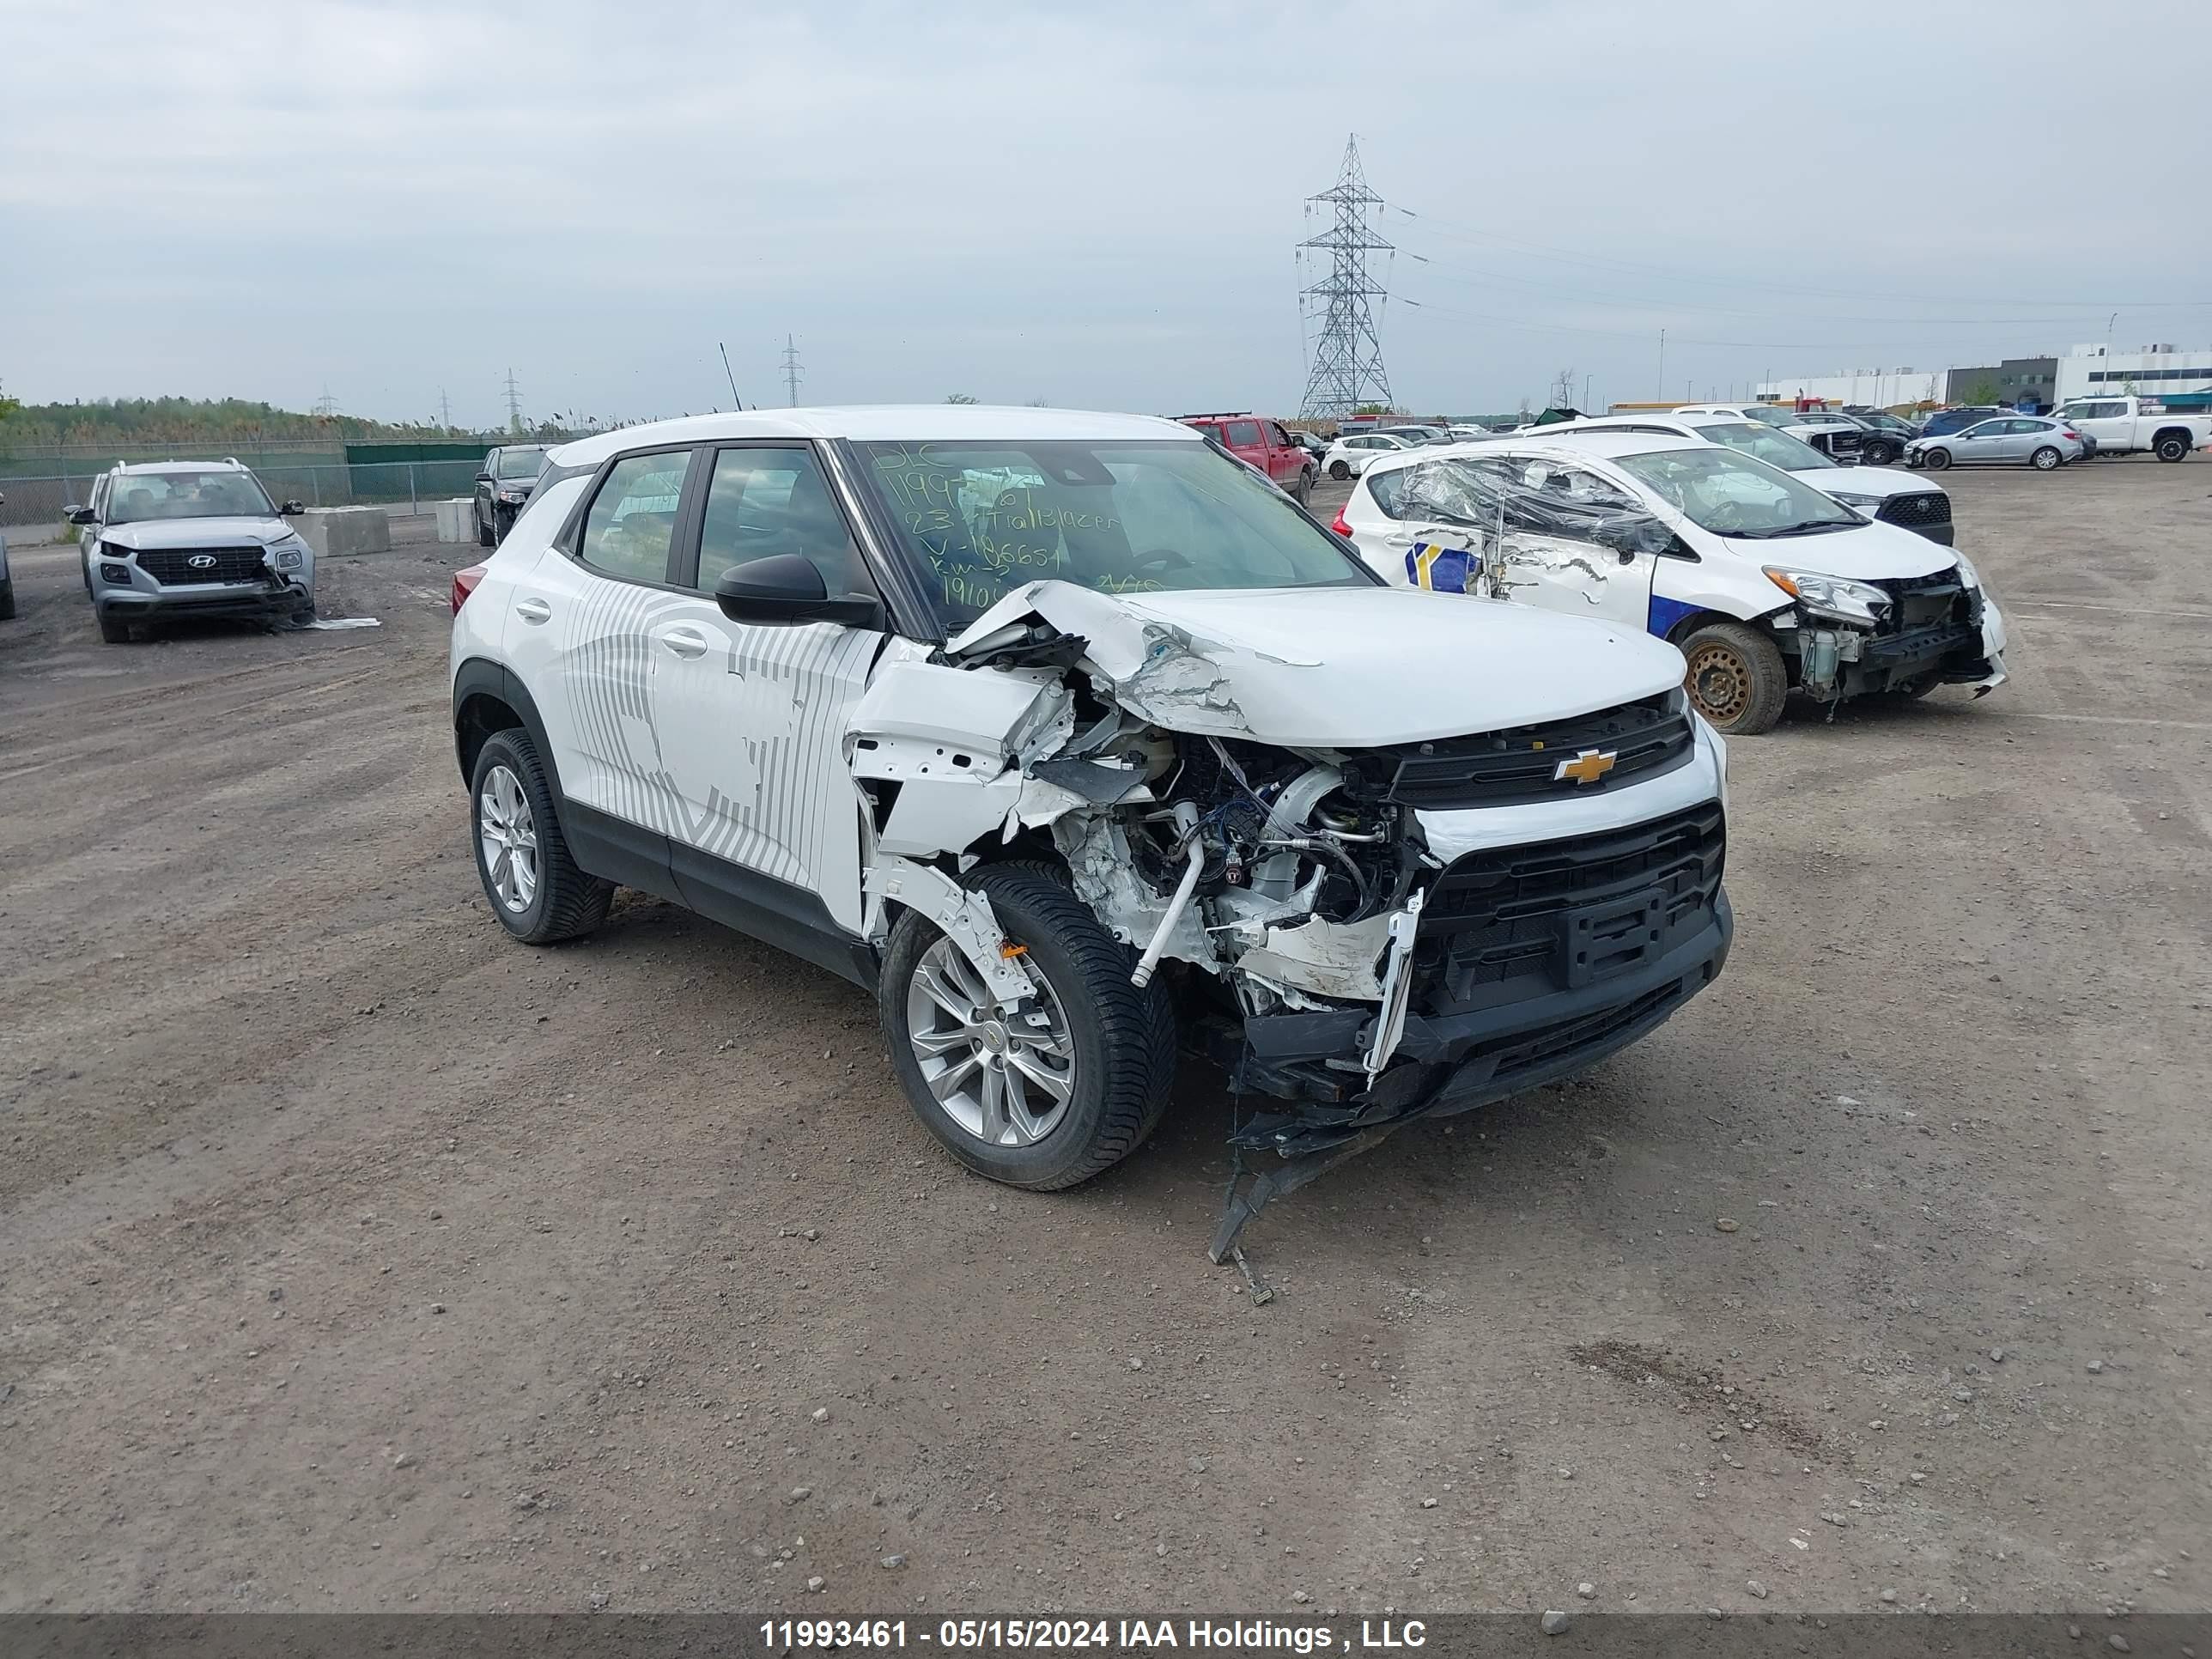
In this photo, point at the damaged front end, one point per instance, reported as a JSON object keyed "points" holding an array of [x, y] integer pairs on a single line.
{"points": [[1363, 934]]}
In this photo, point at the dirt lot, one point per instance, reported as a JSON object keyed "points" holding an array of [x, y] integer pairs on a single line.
{"points": [[354, 1257]]}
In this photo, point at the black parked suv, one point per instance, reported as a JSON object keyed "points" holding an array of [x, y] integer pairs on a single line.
{"points": [[504, 486]]}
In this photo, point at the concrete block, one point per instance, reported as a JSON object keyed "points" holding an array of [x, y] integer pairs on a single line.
{"points": [[331, 530], [456, 519]]}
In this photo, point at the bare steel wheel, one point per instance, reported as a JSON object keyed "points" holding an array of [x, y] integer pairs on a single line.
{"points": [[1005, 1081], [509, 834], [1735, 679]]}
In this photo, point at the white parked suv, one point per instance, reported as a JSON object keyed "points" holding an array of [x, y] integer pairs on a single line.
{"points": [[1911, 500], [1348, 457], [1068, 737], [164, 539], [1767, 585]]}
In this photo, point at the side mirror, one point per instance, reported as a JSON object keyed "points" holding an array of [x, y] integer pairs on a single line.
{"points": [[483, 477], [78, 514], [784, 590], [293, 509]]}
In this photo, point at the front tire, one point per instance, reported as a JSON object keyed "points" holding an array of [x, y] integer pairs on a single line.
{"points": [[485, 537], [1303, 493], [533, 885], [2046, 459], [1936, 460], [114, 626], [1736, 679], [1043, 1105]]}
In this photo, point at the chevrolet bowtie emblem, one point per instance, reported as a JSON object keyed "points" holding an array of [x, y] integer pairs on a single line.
{"points": [[1588, 767]]}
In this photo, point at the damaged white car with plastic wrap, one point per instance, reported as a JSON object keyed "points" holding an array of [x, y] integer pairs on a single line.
{"points": [[1084, 748]]}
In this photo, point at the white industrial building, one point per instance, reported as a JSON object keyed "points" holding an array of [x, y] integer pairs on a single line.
{"points": [[2153, 371], [1877, 388]]}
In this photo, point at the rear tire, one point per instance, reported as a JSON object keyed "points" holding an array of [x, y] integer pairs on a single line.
{"points": [[2046, 459], [1112, 1046], [7, 600], [1736, 679], [1879, 452], [1339, 471], [1936, 460], [2171, 446], [114, 627], [537, 893]]}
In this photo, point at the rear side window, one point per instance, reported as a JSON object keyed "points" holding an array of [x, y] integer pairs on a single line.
{"points": [[763, 502], [1243, 434], [632, 521], [1387, 491]]}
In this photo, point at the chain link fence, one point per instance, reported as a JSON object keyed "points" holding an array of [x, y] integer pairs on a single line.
{"points": [[39, 499]]}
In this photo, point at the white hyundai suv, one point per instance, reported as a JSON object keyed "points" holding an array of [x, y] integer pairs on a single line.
{"points": [[1069, 737]]}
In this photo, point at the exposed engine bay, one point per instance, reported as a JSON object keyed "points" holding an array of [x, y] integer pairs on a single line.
{"points": [[1276, 887]]}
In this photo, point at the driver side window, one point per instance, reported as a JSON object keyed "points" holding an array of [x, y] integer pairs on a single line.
{"points": [[765, 501]]}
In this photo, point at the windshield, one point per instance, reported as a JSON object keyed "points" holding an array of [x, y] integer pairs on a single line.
{"points": [[520, 464], [1775, 448], [138, 496], [1733, 495], [979, 519]]}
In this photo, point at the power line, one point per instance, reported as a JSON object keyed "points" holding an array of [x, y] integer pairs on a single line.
{"points": [[1792, 288], [794, 370], [1348, 362]]}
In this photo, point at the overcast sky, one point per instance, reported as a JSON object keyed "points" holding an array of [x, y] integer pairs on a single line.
{"points": [[1093, 204]]}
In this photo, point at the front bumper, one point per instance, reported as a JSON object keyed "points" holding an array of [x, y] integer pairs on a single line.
{"points": [[211, 599], [1458, 1062]]}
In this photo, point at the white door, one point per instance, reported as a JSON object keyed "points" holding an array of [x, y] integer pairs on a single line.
{"points": [[1566, 543], [751, 718], [580, 638], [2104, 419]]}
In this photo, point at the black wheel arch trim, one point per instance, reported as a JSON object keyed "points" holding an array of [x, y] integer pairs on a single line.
{"points": [[481, 676]]}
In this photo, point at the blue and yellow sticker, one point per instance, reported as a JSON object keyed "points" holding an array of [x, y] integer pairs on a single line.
{"points": [[1444, 569]]}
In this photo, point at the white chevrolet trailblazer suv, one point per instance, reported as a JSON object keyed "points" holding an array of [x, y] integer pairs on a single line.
{"points": [[1071, 738]]}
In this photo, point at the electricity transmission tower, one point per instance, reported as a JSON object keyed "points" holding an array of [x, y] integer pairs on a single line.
{"points": [[1347, 363], [794, 370], [513, 405], [326, 405], [445, 412]]}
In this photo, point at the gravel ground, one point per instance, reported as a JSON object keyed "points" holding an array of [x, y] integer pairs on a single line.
{"points": [[352, 1257]]}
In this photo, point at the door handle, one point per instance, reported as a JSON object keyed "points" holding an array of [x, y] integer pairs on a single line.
{"points": [[533, 610], [685, 641]]}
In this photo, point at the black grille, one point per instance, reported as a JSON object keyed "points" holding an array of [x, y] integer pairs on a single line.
{"points": [[1497, 768], [1923, 506], [1519, 921], [172, 567]]}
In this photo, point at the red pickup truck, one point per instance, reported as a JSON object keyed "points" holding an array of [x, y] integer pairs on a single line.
{"points": [[1260, 442]]}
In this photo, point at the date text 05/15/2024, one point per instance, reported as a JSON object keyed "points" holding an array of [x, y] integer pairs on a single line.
{"points": [[1096, 1635]]}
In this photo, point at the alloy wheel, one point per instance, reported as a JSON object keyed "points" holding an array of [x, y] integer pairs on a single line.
{"points": [[1005, 1083], [509, 833]]}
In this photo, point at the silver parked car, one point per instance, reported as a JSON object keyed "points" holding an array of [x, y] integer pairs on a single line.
{"points": [[190, 538], [2002, 440]]}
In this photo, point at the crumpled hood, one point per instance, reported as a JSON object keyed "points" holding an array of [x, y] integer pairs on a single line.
{"points": [[196, 532], [1865, 553], [1339, 667]]}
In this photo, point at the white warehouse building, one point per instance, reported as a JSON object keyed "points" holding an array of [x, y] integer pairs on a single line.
{"points": [[2153, 371], [1876, 388]]}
